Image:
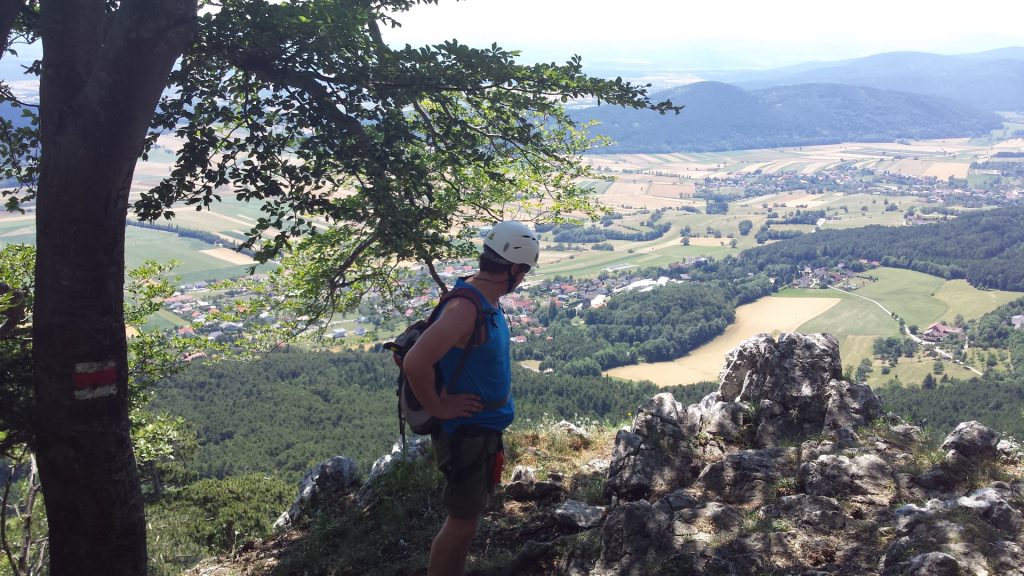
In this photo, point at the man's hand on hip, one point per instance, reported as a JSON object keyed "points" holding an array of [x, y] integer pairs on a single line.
{"points": [[457, 405]]}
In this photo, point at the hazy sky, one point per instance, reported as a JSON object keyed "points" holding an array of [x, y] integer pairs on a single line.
{"points": [[684, 34]]}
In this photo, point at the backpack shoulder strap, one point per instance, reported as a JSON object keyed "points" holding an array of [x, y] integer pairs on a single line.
{"points": [[461, 292], [476, 338], [473, 296]]}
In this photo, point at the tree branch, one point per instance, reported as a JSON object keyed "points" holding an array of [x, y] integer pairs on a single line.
{"points": [[356, 252], [307, 82], [33, 486], [429, 263], [3, 514]]}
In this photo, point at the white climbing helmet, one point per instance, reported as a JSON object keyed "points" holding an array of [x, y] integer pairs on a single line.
{"points": [[514, 241]]}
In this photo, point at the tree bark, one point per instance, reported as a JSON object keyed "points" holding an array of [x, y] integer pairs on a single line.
{"points": [[9, 10], [103, 73]]}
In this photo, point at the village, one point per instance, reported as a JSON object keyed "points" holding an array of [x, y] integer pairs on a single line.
{"points": [[200, 305], [529, 310]]}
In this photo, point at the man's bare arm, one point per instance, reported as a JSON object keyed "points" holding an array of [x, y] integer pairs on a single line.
{"points": [[453, 328]]}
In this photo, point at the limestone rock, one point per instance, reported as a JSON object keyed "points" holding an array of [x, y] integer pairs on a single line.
{"points": [[570, 429], [524, 474], [703, 521], [1010, 451], [788, 371], [818, 514], [933, 564], [632, 533], [726, 420], [849, 404], [416, 449], [796, 385], [534, 491], [675, 501], [729, 500], [970, 445], [656, 456], [974, 440], [335, 476], [576, 514], [980, 531], [747, 476], [836, 476]]}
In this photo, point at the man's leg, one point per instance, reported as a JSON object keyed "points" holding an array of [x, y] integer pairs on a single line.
{"points": [[451, 546]]}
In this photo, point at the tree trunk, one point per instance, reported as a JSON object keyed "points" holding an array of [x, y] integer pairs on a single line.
{"points": [[102, 77]]}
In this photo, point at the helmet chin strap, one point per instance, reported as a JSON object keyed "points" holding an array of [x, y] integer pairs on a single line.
{"points": [[511, 281]]}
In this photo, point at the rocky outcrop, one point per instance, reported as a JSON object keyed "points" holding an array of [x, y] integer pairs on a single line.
{"points": [[786, 469], [415, 449], [339, 476], [657, 455], [968, 449], [789, 469], [980, 533], [771, 393]]}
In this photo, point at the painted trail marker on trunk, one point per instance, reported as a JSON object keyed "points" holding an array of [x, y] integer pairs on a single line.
{"points": [[95, 379]]}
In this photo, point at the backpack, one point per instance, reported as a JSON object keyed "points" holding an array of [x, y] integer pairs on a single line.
{"points": [[410, 411]]}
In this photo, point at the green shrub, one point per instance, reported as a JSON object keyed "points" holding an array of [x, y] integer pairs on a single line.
{"points": [[212, 517]]}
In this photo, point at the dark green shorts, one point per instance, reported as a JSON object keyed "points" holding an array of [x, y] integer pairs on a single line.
{"points": [[468, 462]]}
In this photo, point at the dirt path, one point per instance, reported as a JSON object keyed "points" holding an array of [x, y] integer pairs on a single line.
{"points": [[906, 330]]}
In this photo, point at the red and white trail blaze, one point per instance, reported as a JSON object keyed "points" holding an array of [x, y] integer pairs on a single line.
{"points": [[95, 379]]}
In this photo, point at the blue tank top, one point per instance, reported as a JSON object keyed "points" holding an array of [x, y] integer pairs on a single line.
{"points": [[487, 373]]}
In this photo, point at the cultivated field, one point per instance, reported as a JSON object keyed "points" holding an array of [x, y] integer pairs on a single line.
{"points": [[230, 256], [918, 298], [938, 158], [194, 263], [768, 315], [851, 210], [641, 184]]}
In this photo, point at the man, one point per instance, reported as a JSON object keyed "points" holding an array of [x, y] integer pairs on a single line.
{"points": [[478, 407]]}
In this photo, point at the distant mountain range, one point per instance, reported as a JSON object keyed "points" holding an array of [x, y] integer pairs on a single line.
{"points": [[878, 98]]}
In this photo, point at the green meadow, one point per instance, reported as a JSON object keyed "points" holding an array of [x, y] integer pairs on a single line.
{"points": [[669, 249], [912, 371], [143, 244], [921, 299]]}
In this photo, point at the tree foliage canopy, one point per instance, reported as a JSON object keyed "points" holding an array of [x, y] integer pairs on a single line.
{"points": [[303, 107]]}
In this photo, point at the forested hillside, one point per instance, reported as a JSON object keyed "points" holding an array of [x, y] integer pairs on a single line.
{"points": [[984, 247], [994, 330], [996, 400], [289, 411], [725, 117]]}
